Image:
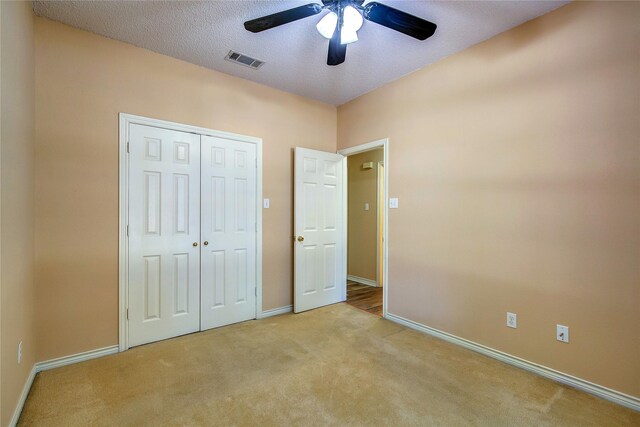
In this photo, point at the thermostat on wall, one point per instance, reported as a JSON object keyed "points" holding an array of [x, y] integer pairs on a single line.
{"points": [[367, 165]]}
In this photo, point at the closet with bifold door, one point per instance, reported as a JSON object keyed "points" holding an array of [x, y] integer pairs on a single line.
{"points": [[192, 232]]}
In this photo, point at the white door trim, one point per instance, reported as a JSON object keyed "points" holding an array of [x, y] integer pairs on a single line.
{"points": [[123, 189], [379, 248], [384, 143]]}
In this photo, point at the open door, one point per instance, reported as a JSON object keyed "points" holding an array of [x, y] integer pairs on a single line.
{"points": [[319, 276]]}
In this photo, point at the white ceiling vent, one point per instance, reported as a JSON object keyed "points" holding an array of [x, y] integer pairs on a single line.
{"points": [[245, 60]]}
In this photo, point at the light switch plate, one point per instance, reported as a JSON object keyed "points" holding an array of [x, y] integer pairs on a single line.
{"points": [[393, 203], [266, 203], [366, 206]]}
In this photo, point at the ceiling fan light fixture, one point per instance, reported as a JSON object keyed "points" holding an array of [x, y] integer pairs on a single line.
{"points": [[348, 36], [350, 15], [352, 22], [327, 25], [352, 19]]}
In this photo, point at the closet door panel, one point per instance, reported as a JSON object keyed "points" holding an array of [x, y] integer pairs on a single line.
{"points": [[228, 215], [164, 224]]}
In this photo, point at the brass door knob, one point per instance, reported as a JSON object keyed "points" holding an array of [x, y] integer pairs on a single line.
{"points": [[195, 244], [206, 243], [300, 239]]}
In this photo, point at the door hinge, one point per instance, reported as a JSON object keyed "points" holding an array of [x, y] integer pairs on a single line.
{"points": [[127, 231], [127, 314], [128, 148], [256, 163], [256, 289]]}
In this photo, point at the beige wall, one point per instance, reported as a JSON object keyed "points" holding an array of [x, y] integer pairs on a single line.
{"points": [[82, 82], [16, 202], [362, 243], [517, 166]]}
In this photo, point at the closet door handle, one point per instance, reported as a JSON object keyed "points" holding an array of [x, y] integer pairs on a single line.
{"points": [[206, 243], [195, 244]]}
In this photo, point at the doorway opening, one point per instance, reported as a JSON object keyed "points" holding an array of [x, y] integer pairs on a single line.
{"points": [[365, 231], [320, 254]]}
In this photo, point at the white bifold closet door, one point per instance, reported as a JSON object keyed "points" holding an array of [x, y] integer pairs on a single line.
{"points": [[192, 233], [229, 231], [164, 234]]}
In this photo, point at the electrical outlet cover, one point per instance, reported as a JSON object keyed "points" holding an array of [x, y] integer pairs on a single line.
{"points": [[562, 333], [512, 320]]}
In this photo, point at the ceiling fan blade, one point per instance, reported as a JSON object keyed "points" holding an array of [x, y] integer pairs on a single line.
{"points": [[337, 51], [398, 20], [281, 18]]}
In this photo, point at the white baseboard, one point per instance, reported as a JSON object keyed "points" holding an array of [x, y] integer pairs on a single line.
{"points": [[76, 358], [23, 397], [589, 387], [56, 363], [277, 311], [362, 280]]}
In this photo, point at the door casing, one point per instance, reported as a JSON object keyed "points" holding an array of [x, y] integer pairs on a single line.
{"points": [[381, 143], [123, 191], [380, 203]]}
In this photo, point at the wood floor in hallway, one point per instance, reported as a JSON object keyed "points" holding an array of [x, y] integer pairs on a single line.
{"points": [[367, 298]]}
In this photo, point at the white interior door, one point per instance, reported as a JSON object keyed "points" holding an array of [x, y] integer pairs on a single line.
{"points": [[319, 273], [229, 231], [164, 231]]}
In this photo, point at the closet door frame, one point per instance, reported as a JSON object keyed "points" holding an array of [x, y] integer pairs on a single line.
{"points": [[125, 120]]}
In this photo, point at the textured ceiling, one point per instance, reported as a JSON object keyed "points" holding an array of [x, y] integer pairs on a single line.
{"points": [[203, 32]]}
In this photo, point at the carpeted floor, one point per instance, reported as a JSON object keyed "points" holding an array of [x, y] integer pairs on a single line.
{"points": [[333, 366]]}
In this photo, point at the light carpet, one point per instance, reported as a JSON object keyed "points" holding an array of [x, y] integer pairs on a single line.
{"points": [[335, 366]]}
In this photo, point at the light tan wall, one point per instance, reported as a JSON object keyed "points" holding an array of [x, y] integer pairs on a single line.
{"points": [[362, 243], [517, 166], [16, 202], [82, 82]]}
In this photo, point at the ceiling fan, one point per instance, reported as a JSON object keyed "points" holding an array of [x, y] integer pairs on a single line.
{"points": [[344, 19]]}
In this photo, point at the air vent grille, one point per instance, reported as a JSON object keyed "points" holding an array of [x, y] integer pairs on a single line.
{"points": [[245, 60]]}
